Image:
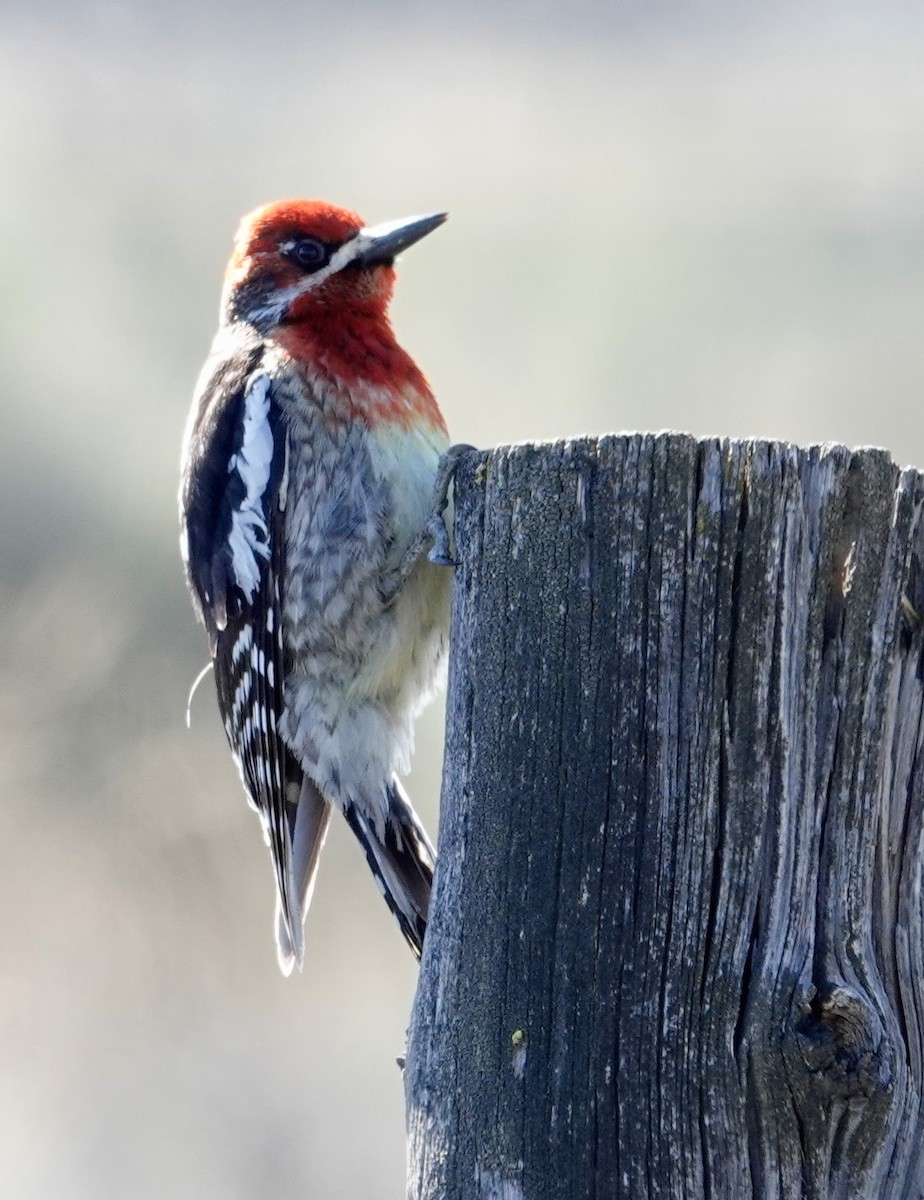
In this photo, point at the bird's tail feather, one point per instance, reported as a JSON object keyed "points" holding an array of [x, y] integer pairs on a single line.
{"points": [[402, 861], [307, 832]]}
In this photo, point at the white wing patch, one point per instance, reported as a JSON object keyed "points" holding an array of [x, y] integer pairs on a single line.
{"points": [[249, 537]]}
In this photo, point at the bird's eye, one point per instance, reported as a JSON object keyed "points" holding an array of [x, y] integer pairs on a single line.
{"points": [[308, 252]]}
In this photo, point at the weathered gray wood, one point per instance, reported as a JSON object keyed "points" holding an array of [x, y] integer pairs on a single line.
{"points": [[676, 938]]}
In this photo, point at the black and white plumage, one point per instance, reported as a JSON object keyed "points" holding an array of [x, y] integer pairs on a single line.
{"points": [[298, 512]]}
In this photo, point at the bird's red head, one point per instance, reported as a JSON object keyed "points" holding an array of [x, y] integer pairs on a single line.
{"points": [[297, 258]]}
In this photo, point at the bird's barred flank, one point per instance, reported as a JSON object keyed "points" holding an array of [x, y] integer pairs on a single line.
{"points": [[308, 468]]}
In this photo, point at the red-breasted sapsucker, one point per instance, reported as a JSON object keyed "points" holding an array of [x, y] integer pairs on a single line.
{"points": [[309, 464]]}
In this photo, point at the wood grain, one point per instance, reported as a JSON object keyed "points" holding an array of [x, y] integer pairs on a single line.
{"points": [[676, 943]]}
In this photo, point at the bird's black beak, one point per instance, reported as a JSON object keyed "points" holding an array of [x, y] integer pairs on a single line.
{"points": [[381, 243]]}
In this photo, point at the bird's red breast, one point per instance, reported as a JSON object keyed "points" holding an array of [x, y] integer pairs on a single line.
{"points": [[368, 375]]}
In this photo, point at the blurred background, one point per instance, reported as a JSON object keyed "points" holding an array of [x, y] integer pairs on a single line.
{"points": [[707, 217]]}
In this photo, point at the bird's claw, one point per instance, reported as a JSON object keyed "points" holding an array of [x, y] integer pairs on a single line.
{"points": [[439, 552], [435, 525], [434, 531]]}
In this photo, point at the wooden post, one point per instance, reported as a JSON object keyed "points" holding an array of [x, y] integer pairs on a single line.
{"points": [[676, 944]]}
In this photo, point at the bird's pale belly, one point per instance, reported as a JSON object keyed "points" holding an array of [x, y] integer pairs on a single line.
{"points": [[356, 501]]}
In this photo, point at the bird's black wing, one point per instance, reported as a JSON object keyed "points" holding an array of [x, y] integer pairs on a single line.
{"points": [[232, 505]]}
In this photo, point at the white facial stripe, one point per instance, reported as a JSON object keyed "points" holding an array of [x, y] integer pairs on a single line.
{"points": [[272, 313], [340, 258]]}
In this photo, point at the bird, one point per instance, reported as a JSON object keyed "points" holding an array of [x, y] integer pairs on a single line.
{"points": [[310, 461]]}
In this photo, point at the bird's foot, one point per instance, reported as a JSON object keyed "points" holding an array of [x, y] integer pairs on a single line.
{"points": [[434, 534], [435, 526]]}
